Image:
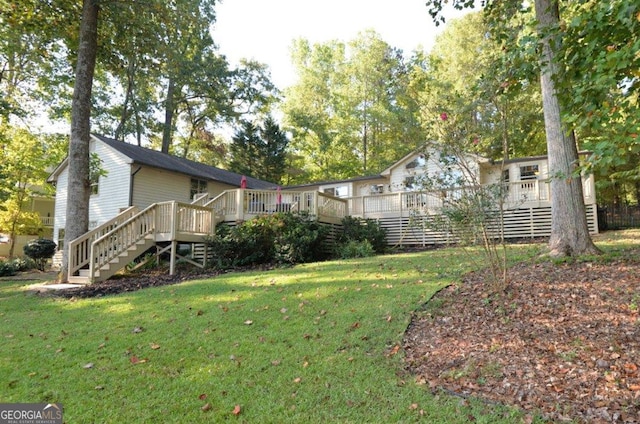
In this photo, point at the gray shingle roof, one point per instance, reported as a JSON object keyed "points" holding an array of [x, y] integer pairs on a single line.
{"points": [[156, 159]]}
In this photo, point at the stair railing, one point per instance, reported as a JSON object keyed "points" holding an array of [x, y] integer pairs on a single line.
{"points": [[121, 238], [80, 248]]}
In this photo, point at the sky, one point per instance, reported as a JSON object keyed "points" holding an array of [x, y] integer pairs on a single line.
{"points": [[263, 30]]}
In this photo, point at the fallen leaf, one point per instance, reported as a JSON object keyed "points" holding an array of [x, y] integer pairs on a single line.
{"points": [[87, 366], [413, 406], [135, 360], [248, 322], [237, 410], [297, 380], [206, 407], [155, 346], [137, 330], [203, 396]]}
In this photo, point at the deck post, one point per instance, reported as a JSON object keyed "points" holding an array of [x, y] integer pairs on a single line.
{"points": [[172, 261], [240, 194]]}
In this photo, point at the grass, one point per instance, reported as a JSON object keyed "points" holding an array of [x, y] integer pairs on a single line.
{"points": [[315, 343]]}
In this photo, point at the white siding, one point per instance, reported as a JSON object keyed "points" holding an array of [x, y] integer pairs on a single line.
{"points": [[60, 211], [113, 188], [432, 168]]}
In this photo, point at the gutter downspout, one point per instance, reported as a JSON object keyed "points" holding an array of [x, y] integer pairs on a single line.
{"points": [[131, 185]]}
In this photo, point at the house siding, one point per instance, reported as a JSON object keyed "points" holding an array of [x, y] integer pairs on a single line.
{"points": [[113, 188], [152, 185]]}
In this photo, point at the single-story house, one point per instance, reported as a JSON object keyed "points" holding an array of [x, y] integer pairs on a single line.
{"points": [[138, 176], [146, 198]]}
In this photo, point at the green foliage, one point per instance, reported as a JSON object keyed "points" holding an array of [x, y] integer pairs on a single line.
{"points": [[282, 237], [40, 250], [352, 104], [259, 151], [11, 267], [7, 268], [354, 249], [361, 230], [23, 264]]}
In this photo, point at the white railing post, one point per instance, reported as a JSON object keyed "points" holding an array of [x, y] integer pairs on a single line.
{"points": [[174, 219], [240, 196]]}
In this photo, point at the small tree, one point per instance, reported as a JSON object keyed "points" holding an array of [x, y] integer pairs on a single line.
{"points": [[40, 250]]}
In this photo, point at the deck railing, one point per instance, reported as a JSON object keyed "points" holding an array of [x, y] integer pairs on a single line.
{"points": [[167, 218], [243, 204], [80, 248], [118, 240], [516, 194]]}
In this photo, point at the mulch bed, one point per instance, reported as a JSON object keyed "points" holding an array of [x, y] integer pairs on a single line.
{"points": [[562, 340]]}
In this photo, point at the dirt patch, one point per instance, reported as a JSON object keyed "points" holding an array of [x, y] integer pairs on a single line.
{"points": [[562, 340]]}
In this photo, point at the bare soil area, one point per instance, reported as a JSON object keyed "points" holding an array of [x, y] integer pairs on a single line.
{"points": [[562, 340]]}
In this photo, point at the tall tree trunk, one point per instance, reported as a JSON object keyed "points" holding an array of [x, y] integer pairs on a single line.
{"points": [[78, 190], [569, 231], [168, 116]]}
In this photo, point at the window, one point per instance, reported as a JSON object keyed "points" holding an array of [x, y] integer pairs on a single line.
{"points": [[505, 176], [94, 179], [418, 162], [197, 186], [376, 189], [410, 183], [340, 191], [60, 238], [529, 172]]}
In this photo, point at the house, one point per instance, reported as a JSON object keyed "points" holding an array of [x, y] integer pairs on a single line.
{"points": [[407, 197], [40, 203], [135, 176], [146, 199]]}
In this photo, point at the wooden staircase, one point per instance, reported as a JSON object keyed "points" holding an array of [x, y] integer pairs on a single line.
{"points": [[102, 252]]}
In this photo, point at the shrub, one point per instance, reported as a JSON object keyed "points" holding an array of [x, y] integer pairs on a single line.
{"points": [[23, 264], [355, 249], [40, 250], [281, 237], [7, 268], [357, 229], [300, 239]]}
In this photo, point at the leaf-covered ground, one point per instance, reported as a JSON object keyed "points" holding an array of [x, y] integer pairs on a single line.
{"points": [[562, 339]]}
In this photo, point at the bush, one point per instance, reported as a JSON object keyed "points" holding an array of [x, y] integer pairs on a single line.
{"points": [[300, 239], [355, 249], [40, 250], [23, 264], [357, 229], [7, 269], [281, 237]]}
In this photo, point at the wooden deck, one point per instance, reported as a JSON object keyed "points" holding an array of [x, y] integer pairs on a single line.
{"points": [[105, 250], [408, 217]]}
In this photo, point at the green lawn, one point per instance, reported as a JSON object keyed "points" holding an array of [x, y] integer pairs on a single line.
{"points": [[314, 343]]}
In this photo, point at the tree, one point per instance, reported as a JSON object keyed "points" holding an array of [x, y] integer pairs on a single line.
{"points": [[78, 189], [469, 73], [569, 232], [25, 159], [260, 151], [352, 105]]}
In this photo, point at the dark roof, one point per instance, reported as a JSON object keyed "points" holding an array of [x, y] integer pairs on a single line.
{"points": [[156, 159]]}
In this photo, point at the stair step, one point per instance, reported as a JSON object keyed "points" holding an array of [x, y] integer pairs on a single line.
{"points": [[79, 280]]}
